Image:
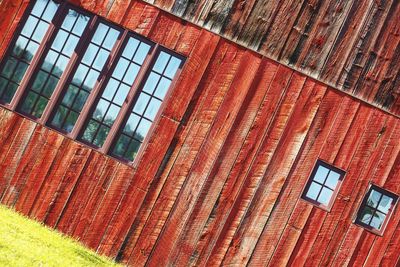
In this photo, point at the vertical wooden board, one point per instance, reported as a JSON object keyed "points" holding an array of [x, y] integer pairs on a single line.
{"points": [[328, 152], [354, 233], [234, 197], [188, 40], [168, 30], [274, 40], [342, 160], [12, 12], [141, 18], [82, 221], [119, 10], [13, 155], [119, 183], [274, 174], [197, 11], [218, 14], [25, 165], [43, 164], [81, 192], [191, 75], [206, 209], [391, 256], [148, 165], [323, 34], [347, 37], [164, 4], [231, 113], [43, 199], [269, 243], [10, 125], [214, 93], [64, 190], [356, 182]]}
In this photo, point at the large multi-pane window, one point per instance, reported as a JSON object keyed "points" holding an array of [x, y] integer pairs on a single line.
{"points": [[85, 77]]}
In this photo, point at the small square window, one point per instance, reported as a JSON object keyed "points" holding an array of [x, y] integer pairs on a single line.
{"points": [[375, 209], [323, 185]]}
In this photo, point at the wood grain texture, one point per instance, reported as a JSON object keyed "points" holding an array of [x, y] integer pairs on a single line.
{"points": [[220, 179]]}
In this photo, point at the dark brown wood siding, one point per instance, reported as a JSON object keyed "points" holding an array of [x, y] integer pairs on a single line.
{"points": [[220, 180]]}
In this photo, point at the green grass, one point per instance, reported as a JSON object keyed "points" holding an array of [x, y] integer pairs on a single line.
{"points": [[24, 242]]}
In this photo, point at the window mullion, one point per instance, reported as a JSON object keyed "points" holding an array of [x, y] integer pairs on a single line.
{"points": [[97, 90], [73, 62], [44, 46], [127, 105]]}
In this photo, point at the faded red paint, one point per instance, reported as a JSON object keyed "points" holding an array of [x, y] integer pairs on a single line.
{"points": [[220, 181]]}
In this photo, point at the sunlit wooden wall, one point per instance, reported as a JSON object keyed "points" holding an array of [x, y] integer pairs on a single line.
{"points": [[220, 181]]}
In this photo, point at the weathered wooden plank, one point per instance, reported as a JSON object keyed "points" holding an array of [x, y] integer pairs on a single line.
{"points": [[269, 243], [141, 18], [276, 107]]}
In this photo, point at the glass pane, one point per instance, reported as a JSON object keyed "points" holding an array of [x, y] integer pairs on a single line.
{"points": [[49, 61], [29, 101], [111, 87], [111, 38], [161, 62], [321, 174], [19, 48], [131, 74], [50, 11], [100, 33], [313, 191], [40, 106], [40, 31], [9, 92], [151, 82], [377, 220], [132, 150], [50, 86], [60, 116], [80, 100], [325, 196], [152, 109], [121, 146], [121, 94], [101, 110], [69, 47], [101, 59], [141, 103], [385, 204], [111, 115], [3, 85], [162, 88], [90, 80], [101, 136], [131, 125], [374, 198], [19, 72], [29, 26], [60, 66], [9, 67], [70, 95], [130, 48], [60, 40], [39, 7], [143, 128], [70, 121], [30, 51], [173, 66], [80, 75], [120, 69], [90, 54], [366, 215], [141, 53], [90, 131], [40, 80], [332, 180], [80, 25], [69, 20]]}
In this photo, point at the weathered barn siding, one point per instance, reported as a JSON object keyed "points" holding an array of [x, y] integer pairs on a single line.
{"points": [[350, 44], [220, 182]]}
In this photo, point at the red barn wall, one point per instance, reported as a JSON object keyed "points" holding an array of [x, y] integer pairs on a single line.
{"points": [[220, 181]]}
